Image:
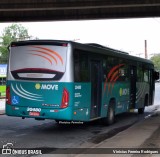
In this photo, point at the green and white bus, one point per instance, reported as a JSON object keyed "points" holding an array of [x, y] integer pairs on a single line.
{"points": [[3, 72], [69, 81]]}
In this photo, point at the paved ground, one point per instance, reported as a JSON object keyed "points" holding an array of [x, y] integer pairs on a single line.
{"points": [[143, 136]]}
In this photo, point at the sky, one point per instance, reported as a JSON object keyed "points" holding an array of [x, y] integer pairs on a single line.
{"points": [[123, 34]]}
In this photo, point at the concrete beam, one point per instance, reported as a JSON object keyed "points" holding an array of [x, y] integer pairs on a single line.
{"points": [[44, 10]]}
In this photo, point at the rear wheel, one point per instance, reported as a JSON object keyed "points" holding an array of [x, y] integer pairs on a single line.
{"points": [[110, 115], [141, 110], [57, 121]]}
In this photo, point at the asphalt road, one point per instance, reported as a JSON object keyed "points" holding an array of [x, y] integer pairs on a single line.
{"points": [[29, 133]]}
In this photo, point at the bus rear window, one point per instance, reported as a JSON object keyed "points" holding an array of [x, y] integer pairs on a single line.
{"points": [[38, 62]]}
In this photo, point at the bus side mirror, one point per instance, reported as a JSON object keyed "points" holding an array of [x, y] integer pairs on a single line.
{"points": [[156, 75]]}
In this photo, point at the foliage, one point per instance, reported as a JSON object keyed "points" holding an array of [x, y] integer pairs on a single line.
{"points": [[11, 33], [156, 60]]}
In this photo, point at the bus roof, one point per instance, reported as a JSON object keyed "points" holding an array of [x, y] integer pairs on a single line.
{"points": [[91, 47]]}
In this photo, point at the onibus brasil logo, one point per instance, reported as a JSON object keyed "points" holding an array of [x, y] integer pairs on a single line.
{"points": [[46, 86], [8, 150]]}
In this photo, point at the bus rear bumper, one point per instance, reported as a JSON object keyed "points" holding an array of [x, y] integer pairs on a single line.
{"points": [[56, 114]]}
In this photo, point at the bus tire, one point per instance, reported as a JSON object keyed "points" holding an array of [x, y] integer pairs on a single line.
{"points": [[141, 110], [57, 121], [110, 115]]}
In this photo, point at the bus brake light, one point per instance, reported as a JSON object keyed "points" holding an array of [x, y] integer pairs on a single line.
{"points": [[8, 95], [65, 98]]}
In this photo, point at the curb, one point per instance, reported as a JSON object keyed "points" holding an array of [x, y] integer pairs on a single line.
{"points": [[135, 136], [149, 128]]}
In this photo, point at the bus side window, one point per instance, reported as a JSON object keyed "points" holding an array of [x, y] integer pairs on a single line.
{"points": [[104, 69], [111, 63], [123, 71], [76, 67], [83, 65], [140, 77], [81, 73], [146, 76]]}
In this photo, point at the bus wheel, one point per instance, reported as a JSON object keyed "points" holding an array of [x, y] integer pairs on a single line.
{"points": [[57, 121], [110, 116], [141, 110]]}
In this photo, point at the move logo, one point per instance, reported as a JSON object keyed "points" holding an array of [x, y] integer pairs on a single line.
{"points": [[37, 86], [124, 91], [46, 86]]}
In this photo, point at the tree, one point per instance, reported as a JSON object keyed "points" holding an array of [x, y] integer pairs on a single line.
{"points": [[156, 60], [11, 33]]}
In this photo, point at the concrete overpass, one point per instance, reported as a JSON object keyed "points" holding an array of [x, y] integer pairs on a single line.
{"points": [[45, 10]]}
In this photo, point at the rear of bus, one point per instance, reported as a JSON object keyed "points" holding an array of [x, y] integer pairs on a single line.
{"points": [[40, 80]]}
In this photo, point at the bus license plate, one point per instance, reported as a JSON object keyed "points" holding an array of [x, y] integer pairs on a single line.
{"points": [[34, 113]]}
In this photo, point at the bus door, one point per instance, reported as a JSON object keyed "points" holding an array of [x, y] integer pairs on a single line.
{"points": [[95, 79], [133, 74]]}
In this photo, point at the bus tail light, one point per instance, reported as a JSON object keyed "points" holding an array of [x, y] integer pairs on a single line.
{"points": [[8, 95], [65, 98]]}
